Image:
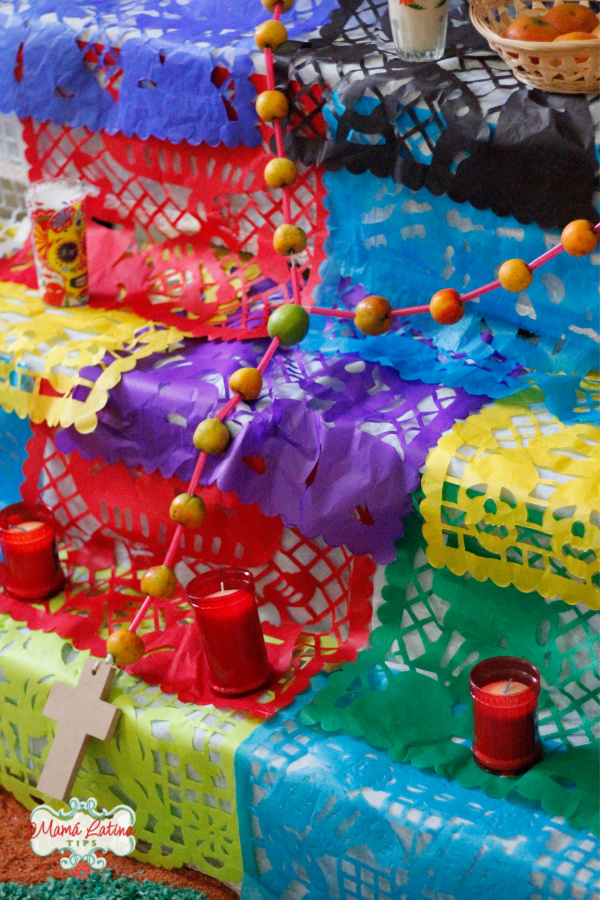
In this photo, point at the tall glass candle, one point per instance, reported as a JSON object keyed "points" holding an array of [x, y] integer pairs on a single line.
{"points": [[505, 692], [28, 544], [57, 211], [227, 616]]}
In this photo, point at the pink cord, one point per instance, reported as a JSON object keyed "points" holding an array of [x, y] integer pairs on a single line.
{"points": [[335, 313], [198, 469], [270, 70], [315, 310], [409, 310]]}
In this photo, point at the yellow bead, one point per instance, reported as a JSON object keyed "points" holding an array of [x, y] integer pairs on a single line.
{"points": [[211, 436], [271, 34], [286, 5], [289, 239], [272, 105], [159, 582], [280, 172], [515, 276], [247, 382], [188, 510], [125, 646]]}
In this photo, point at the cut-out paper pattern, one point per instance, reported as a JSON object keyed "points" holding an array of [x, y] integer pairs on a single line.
{"points": [[314, 601], [190, 242], [173, 763], [512, 495], [178, 71], [358, 824], [57, 365], [405, 246], [409, 694], [333, 444], [14, 434], [462, 126]]}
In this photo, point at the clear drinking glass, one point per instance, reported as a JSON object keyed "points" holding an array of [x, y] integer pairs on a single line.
{"points": [[419, 28]]}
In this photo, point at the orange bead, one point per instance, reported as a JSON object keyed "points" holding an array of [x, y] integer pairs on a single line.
{"points": [[280, 172], [272, 105], [372, 315], [289, 239], [514, 275], [579, 238], [446, 307], [125, 646], [271, 33], [247, 382]]}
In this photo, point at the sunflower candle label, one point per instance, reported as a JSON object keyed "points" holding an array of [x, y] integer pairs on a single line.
{"points": [[81, 833], [56, 209]]}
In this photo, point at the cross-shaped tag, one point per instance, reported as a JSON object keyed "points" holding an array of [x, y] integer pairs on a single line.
{"points": [[81, 713]]}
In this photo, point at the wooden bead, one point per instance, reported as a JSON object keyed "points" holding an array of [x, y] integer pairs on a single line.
{"points": [[272, 105], [280, 172], [271, 33], [125, 646], [289, 239]]}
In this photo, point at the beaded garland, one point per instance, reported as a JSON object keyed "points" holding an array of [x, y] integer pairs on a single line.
{"points": [[288, 325]]}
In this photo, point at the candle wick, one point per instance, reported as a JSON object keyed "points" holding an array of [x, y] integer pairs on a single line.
{"points": [[222, 588], [507, 688]]}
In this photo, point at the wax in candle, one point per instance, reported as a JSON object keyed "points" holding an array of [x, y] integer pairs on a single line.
{"points": [[26, 526], [219, 594], [500, 688]]}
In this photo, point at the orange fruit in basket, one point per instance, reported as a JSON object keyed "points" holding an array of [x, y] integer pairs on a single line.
{"points": [[530, 28], [575, 36], [569, 17]]}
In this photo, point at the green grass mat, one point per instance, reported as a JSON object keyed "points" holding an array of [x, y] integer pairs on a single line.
{"points": [[97, 885]]}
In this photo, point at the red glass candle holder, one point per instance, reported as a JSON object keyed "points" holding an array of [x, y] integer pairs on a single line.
{"points": [[227, 616], [505, 692], [28, 544]]}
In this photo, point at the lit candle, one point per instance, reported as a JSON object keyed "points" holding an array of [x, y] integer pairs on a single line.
{"points": [[225, 608], [505, 692], [28, 543]]}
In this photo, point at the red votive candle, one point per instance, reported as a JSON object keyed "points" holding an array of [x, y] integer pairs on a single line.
{"points": [[505, 692], [28, 544], [227, 616]]}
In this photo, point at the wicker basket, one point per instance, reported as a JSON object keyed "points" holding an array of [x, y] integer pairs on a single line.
{"points": [[564, 67]]}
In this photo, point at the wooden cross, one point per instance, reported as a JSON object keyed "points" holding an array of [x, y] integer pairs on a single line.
{"points": [[81, 713]]}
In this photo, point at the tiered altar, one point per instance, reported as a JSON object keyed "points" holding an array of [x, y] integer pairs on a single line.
{"points": [[408, 503]]}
